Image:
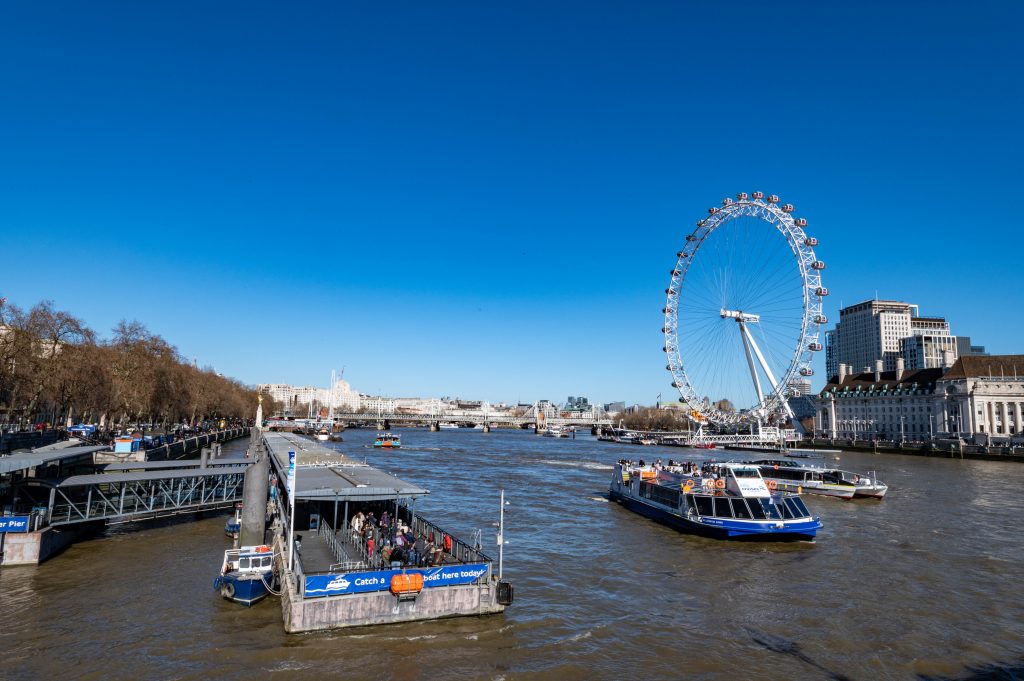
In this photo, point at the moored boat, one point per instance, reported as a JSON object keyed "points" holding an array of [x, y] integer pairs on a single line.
{"points": [[388, 441], [246, 574], [234, 525], [732, 502], [832, 482]]}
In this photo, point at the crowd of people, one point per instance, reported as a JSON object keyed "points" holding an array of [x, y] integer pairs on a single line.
{"points": [[389, 541]]}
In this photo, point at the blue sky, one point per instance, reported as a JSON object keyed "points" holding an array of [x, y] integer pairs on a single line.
{"points": [[462, 199]]}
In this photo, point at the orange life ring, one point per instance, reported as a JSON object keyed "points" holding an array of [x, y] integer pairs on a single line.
{"points": [[688, 483], [720, 484], [772, 485], [776, 466]]}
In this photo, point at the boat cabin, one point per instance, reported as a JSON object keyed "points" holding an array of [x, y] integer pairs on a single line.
{"points": [[248, 559]]}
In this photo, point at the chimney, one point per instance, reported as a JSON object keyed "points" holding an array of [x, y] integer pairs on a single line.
{"points": [[878, 371], [947, 359], [900, 367], [843, 371]]}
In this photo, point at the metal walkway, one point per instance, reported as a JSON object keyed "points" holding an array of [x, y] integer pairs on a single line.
{"points": [[132, 496]]}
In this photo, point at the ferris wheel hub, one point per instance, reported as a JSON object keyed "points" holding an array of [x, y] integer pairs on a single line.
{"points": [[739, 315]]}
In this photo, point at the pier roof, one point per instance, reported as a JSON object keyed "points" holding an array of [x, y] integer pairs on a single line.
{"points": [[325, 474], [138, 476], [40, 457], [176, 463]]}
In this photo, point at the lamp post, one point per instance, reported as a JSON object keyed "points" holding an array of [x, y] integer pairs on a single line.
{"points": [[903, 437]]}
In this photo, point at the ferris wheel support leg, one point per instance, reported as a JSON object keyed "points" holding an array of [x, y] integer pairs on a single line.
{"points": [[767, 371], [747, 341]]}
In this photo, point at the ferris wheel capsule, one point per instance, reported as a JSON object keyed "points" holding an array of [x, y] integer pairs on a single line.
{"points": [[774, 198], [758, 195], [815, 347], [800, 222], [742, 196], [817, 265], [820, 319], [788, 208], [726, 201], [811, 241], [821, 291]]}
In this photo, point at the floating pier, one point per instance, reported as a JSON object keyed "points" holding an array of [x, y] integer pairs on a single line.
{"points": [[336, 578]]}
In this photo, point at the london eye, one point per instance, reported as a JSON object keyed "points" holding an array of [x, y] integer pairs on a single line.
{"points": [[743, 312]]}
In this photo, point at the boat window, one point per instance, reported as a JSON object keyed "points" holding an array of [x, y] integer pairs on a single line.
{"points": [[756, 511], [787, 512], [793, 508], [739, 508], [770, 509], [744, 472], [798, 503], [243, 564], [722, 508], [704, 505], [265, 562]]}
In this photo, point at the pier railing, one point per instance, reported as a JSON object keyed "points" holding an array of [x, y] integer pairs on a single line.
{"points": [[346, 546]]}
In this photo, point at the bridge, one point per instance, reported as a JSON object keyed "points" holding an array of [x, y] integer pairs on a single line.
{"points": [[539, 416]]}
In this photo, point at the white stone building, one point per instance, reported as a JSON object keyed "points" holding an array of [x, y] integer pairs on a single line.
{"points": [[978, 399]]}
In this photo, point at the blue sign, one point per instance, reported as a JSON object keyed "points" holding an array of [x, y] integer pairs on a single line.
{"points": [[363, 582], [14, 523]]}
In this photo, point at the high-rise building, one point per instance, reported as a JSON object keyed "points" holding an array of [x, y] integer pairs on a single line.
{"points": [[930, 346], [867, 332], [965, 349]]}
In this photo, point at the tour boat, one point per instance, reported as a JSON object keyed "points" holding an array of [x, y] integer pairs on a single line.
{"points": [[323, 434], [555, 431], [388, 441], [448, 426], [704, 445], [246, 574], [797, 476], [733, 502]]}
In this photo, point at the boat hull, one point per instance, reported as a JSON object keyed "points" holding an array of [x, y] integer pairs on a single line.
{"points": [[245, 589], [839, 492], [719, 528]]}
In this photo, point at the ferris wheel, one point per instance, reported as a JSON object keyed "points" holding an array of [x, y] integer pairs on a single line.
{"points": [[744, 312]]}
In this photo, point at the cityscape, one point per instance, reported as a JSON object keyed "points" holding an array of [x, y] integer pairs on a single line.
{"points": [[510, 342]]}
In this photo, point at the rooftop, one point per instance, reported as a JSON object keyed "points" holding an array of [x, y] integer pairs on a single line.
{"points": [[24, 460], [993, 366], [326, 474]]}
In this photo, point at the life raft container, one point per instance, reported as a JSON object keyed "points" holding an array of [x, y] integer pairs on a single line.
{"points": [[409, 583]]}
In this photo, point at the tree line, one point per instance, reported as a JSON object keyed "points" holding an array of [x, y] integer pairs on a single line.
{"points": [[53, 367]]}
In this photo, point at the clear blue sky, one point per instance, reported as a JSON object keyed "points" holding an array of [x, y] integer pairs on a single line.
{"points": [[486, 201]]}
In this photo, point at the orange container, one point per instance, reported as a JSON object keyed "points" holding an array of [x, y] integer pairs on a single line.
{"points": [[410, 583]]}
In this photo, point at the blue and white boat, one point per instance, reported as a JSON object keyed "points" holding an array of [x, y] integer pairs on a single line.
{"points": [[247, 574], [234, 525], [732, 502]]}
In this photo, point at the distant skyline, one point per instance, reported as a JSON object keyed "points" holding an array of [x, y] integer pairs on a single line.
{"points": [[485, 201]]}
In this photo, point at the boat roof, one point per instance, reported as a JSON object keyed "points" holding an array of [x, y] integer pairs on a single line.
{"points": [[139, 476]]}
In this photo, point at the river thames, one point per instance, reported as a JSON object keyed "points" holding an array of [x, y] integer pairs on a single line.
{"points": [[925, 584]]}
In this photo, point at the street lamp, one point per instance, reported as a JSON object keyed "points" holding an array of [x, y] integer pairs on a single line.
{"points": [[903, 437]]}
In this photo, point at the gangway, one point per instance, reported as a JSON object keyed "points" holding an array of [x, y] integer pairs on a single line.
{"points": [[144, 495]]}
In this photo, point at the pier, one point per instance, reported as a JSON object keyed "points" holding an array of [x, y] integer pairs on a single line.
{"points": [[334, 580], [66, 491]]}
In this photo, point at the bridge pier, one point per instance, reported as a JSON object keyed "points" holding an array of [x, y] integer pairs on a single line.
{"points": [[487, 427], [435, 426]]}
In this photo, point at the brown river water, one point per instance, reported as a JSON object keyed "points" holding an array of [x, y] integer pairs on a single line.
{"points": [[928, 583]]}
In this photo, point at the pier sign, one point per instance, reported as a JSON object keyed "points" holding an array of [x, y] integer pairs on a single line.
{"points": [[14, 523], [363, 582]]}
